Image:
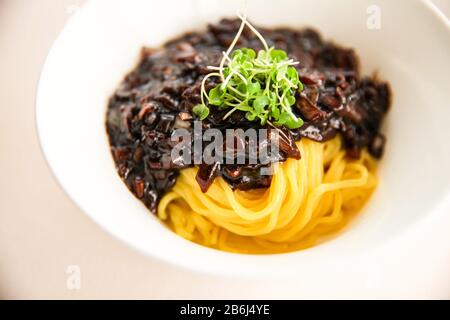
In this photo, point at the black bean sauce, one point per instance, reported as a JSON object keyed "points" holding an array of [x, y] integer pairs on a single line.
{"points": [[158, 96]]}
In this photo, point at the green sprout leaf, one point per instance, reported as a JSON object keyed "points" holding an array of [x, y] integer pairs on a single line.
{"points": [[262, 84], [215, 96], [293, 124], [201, 111], [278, 55], [260, 103]]}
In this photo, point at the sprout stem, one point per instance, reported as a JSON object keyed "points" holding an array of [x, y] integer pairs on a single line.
{"points": [[230, 48], [256, 32]]}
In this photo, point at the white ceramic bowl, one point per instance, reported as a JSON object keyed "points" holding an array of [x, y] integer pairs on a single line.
{"points": [[411, 50]]}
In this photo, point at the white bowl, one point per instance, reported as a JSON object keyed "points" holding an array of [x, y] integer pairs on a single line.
{"points": [[411, 50]]}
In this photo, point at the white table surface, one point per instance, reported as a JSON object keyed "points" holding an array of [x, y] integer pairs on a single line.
{"points": [[41, 231]]}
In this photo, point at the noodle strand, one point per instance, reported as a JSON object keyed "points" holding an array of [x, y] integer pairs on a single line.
{"points": [[307, 200]]}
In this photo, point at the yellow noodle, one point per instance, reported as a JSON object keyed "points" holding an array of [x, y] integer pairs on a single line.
{"points": [[308, 199]]}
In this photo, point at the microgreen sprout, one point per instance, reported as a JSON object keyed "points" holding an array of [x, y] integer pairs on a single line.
{"points": [[262, 84]]}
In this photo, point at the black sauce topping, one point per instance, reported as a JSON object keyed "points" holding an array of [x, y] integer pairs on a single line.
{"points": [[158, 96]]}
